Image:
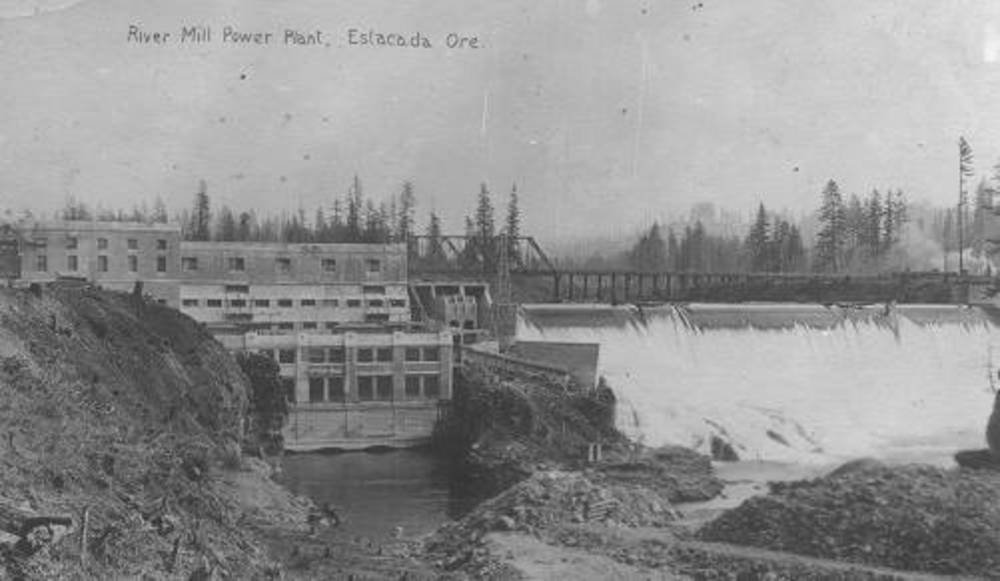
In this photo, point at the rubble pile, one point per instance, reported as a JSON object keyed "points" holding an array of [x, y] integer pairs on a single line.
{"points": [[916, 518], [541, 505]]}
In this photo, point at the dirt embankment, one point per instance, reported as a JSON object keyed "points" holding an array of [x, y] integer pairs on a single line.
{"points": [[532, 444], [915, 518], [126, 417]]}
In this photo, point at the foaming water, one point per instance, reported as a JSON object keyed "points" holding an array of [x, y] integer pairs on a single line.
{"points": [[802, 383]]}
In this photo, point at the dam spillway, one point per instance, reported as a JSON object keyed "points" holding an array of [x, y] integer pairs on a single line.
{"points": [[790, 382]]}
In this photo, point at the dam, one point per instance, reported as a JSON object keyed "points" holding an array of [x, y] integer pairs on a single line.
{"points": [[790, 382]]}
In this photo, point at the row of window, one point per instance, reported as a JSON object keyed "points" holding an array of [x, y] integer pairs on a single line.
{"points": [[288, 303], [282, 265], [73, 263], [373, 388], [73, 242], [364, 354]]}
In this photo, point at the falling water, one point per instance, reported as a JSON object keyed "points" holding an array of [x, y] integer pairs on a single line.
{"points": [[798, 383]]}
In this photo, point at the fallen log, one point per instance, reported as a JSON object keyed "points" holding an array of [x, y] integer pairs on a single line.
{"points": [[32, 530]]}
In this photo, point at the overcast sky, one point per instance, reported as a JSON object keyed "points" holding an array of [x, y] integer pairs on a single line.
{"points": [[606, 114]]}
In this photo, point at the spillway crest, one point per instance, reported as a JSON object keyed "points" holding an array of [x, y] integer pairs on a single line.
{"points": [[789, 382]]}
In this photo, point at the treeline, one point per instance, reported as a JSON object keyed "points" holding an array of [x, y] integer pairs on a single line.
{"points": [[851, 236], [353, 218]]}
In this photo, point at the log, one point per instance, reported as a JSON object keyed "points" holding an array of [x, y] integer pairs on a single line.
{"points": [[20, 521], [32, 530]]}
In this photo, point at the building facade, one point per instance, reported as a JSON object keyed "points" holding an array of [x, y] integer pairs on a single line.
{"points": [[293, 287], [359, 390], [114, 255]]}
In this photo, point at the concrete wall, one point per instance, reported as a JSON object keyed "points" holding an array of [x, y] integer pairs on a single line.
{"points": [[580, 359], [112, 254], [275, 263]]}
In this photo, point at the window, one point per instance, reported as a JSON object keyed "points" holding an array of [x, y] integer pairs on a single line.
{"points": [[286, 326], [288, 386], [317, 389], [102, 263], [238, 303], [371, 289], [284, 302], [236, 263], [377, 318], [71, 242], [354, 303], [383, 388], [330, 303], [189, 303], [161, 244], [432, 386], [133, 263], [331, 325], [384, 354], [283, 265], [374, 265], [377, 303], [412, 386], [329, 265], [261, 303], [214, 302], [286, 355], [309, 325], [365, 388], [317, 355], [336, 389], [161, 264], [237, 288], [71, 262], [432, 354], [336, 355], [413, 354], [189, 263], [397, 303], [41, 263], [132, 244], [308, 302], [102, 243], [365, 356]]}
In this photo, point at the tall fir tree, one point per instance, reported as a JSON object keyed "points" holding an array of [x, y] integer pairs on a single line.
{"points": [[832, 231]]}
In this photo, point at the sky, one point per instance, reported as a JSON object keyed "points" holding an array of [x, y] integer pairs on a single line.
{"points": [[607, 115]]}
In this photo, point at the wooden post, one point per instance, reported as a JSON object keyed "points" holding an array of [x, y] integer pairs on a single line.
{"points": [[585, 277]]}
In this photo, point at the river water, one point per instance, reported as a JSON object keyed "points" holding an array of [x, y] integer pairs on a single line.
{"points": [[376, 492], [795, 389]]}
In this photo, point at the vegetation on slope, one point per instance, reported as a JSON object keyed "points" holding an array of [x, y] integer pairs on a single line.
{"points": [[120, 410]]}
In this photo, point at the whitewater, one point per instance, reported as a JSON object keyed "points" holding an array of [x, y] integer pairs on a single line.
{"points": [[790, 383]]}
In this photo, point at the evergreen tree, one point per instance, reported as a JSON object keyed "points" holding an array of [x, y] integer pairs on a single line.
{"points": [[758, 242], [407, 203], [513, 228], [650, 252], [831, 235], [673, 251], [225, 228], [965, 170], [435, 250], [201, 214], [485, 229], [243, 229], [354, 206]]}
